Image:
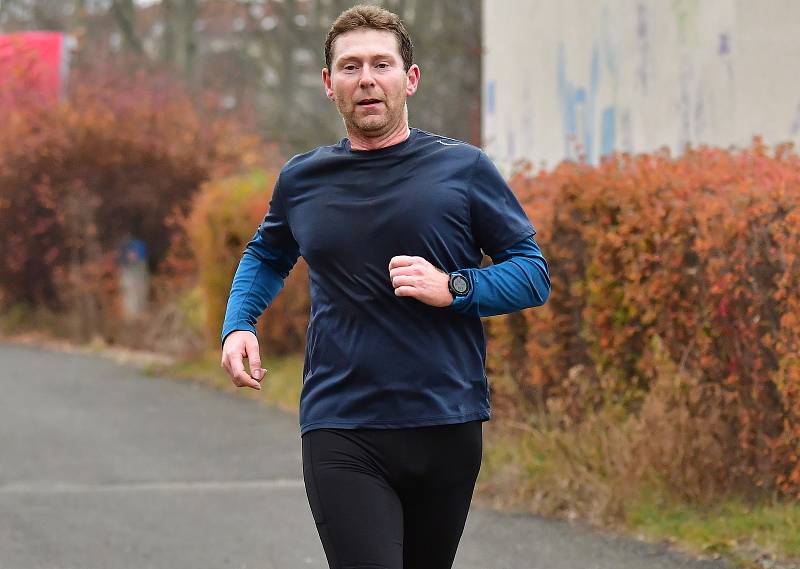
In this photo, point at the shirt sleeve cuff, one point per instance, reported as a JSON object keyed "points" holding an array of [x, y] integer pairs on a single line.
{"points": [[463, 304], [236, 328], [459, 301]]}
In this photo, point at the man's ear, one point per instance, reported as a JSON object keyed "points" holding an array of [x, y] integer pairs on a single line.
{"points": [[412, 79], [326, 82]]}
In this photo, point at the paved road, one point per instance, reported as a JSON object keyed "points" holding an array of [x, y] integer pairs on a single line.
{"points": [[102, 468]]}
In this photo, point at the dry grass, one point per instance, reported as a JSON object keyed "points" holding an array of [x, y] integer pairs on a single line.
{"points": [[663, 472]]}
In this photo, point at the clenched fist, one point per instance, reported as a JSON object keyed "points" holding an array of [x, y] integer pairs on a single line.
{"points": [[417, 278]]}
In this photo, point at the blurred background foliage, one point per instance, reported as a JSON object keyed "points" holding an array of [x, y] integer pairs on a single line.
{"points": [[164, 101], [224, 215], [264, 58]]}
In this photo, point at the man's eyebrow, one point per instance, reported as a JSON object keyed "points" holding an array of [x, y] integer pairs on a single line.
{"points": [[346, 58]]}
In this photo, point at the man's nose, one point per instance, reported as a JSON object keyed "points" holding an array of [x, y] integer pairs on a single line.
{"points": [[366, 79]]}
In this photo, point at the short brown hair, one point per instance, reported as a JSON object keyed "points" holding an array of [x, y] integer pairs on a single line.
{"points": [[373, 18]]}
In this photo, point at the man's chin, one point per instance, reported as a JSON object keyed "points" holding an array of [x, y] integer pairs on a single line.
{"points": [[371, 126]]}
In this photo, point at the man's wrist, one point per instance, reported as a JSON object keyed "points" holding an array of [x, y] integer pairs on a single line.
{"points": [[461, 290], [459, 301], [459, 284], [239, 327]]}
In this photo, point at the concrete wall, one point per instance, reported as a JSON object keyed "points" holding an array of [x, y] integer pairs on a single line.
{"points": [[636, 75]]}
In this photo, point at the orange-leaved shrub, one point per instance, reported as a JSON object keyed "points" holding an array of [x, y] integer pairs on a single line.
{"points": [[226, 214], [697, 254], [115, 157]]}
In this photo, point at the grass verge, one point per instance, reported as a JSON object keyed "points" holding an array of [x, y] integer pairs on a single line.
{"points": [[760, 535], [521, 472], [281, 386]]}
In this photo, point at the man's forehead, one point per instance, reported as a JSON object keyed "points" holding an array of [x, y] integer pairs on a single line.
{"points": [[365, 42]]}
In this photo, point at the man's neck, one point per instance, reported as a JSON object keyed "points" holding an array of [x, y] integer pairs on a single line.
{"points": [[396, 136]]}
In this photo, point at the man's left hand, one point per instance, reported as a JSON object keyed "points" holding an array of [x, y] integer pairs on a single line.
{"points": [[417, 278]]}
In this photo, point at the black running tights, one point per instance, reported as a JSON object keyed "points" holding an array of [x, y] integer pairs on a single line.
{"points": [[391, 498]]}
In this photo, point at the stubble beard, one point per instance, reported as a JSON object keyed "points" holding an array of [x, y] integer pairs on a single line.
{"points": [[370, 125]]}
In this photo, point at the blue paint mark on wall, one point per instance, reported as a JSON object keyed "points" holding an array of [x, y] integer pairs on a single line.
{"points": [[566, 94], [511, 145], [794, 130], [608, 128], [724, 44], [643, 41], [589, 116], [526, 121], [578, 106]]}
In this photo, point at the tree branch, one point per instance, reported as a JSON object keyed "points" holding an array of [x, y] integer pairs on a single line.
{"points": [[125, 15]]}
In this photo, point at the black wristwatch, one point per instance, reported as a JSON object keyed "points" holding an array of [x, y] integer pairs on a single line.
{"points": [[459, 285]]}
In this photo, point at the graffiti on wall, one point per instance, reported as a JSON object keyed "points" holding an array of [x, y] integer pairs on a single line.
{"points": [[636, 75], [642, 46], [794, 130], [577, 107], [579, 110]]}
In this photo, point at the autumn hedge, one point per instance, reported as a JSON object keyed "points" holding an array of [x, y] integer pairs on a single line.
{"points": [[225, 216], [117, 156], [693, 259]]}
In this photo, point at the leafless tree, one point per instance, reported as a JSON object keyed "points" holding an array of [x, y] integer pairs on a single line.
{"points": [[268, 54]]}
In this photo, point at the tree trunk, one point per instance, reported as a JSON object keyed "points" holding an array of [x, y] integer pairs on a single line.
{"points": [[180, 46], [124, 13]]}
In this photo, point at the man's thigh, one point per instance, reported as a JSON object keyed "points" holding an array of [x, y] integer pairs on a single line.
{"points": [[358, 515], [435, 512]]}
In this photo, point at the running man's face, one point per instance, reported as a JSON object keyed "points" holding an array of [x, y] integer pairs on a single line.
{"points": [[368, 83]]}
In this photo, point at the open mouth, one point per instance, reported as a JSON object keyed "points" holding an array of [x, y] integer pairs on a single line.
{"points": [[367, 102]]}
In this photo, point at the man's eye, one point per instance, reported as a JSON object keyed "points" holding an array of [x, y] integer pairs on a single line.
{"points": [[349, 67], [382, 65]]}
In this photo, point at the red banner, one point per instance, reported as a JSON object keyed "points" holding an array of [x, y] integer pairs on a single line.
{"points": [[33, 63]]}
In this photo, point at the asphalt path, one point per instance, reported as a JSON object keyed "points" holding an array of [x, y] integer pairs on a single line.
{"points": [[102, 467]]}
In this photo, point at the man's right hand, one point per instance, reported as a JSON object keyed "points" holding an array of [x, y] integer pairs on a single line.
{"points": [[238, 345]]}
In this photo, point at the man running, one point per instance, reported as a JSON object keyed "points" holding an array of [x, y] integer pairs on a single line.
{"points": [[392, 222]]}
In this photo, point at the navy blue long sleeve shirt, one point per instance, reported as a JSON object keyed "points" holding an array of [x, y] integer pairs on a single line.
{"points": [[375, 360], [518, 279]]}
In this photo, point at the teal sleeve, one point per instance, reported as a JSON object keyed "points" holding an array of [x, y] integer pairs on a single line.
{"points": [[518, 279], [265, 264], [258, 279]]}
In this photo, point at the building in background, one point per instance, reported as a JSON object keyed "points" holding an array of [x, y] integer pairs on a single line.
{"points": [[636, 75]]}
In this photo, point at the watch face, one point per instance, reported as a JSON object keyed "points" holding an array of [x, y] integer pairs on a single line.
{"points": [[460, 284]]}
